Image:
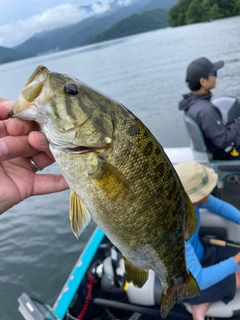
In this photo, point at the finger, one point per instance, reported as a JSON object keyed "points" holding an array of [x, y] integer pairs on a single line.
{"points": [[3, 129], [42, 160], [48, 183], [38, 141], [5, 107], [16, 127], [13, 147]]}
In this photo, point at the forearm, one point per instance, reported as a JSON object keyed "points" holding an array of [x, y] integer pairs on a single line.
{"points": [[222, 208], [206, 277]]}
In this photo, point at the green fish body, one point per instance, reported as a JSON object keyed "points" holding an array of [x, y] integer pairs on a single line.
{"points": [[119, 175]]}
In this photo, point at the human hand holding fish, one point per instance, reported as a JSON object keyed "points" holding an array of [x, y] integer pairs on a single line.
{"points": [[18, 144], [119, 175]]}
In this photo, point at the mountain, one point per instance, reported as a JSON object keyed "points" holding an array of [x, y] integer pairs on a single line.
{"points": [[82, 33], [100, 25], [78, 34], [8, 54], [137, 23], [53, 40]]}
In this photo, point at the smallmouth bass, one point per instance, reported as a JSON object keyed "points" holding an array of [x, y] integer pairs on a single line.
{"points": [[119, 175]]}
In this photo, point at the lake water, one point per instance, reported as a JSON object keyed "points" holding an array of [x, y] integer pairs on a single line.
{"points": [[146, 73]]}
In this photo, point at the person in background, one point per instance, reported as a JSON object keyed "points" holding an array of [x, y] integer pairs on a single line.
{"points": [[216, 269], [222, 140], [23, 152]]}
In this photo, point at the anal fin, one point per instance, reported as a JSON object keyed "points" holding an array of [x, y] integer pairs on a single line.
{"points": [[134, 274]]}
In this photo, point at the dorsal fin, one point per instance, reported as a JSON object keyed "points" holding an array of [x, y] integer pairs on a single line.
{"points": [[191, 219]]}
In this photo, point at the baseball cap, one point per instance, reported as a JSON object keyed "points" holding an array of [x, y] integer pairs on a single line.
{"points": [[200, 68]]}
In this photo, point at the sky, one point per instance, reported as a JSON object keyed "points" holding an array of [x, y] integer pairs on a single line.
{"points": [[20, 19]]}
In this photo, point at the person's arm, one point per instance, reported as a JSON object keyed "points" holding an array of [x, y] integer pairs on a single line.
{"points": [[222, 208], [19, 144], [214, 129], [206, 277]]}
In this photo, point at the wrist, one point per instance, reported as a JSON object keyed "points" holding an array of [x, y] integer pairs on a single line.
{"points": [[237, 258]]}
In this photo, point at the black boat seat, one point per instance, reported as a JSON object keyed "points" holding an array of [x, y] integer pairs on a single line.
{"points": [[223, 168]]}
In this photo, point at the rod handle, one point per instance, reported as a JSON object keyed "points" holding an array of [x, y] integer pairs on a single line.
{"points": [[218, 242]]}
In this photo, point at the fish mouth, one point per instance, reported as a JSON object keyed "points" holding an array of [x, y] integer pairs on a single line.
{"points": [[39, 75], [26, 106], [30, 113], [83, 149]]}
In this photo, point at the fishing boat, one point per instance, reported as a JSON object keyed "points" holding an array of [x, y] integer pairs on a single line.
{"points": [[97, 288]]}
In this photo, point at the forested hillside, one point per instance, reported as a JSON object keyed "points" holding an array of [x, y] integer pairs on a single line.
{"points": [[193, 11], [137, 23], [8, 54]]}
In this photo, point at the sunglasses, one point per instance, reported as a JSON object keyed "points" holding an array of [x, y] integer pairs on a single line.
{"points": [[214, 73]]}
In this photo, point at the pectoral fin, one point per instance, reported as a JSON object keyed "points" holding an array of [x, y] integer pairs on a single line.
{"points": [[112, 182], [191, 219], [79, 216], [134, 274]]}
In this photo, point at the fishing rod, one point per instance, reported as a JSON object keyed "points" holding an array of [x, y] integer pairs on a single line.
{"points": [[230, 122], [220, 243]]}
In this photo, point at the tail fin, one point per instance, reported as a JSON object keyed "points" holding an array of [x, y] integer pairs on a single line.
{"points": [[181, 291]]}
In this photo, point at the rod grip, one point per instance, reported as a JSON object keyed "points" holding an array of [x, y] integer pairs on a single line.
{"points": [[218, 242]]}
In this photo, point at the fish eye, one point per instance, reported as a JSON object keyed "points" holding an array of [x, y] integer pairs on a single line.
{"points": [[71, 88]]}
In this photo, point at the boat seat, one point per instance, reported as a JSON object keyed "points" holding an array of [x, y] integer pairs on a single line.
{"points": [[223, 168], [146, 296], [220, 309], [212, 222], [150, 293], [212, 225]]}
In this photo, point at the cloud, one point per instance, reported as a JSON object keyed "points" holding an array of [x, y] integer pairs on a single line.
{"points": [[124, 3], [16, 32], [101, 7]]}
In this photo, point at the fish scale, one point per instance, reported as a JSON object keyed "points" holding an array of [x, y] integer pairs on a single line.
{"points": [[119, 175]]}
